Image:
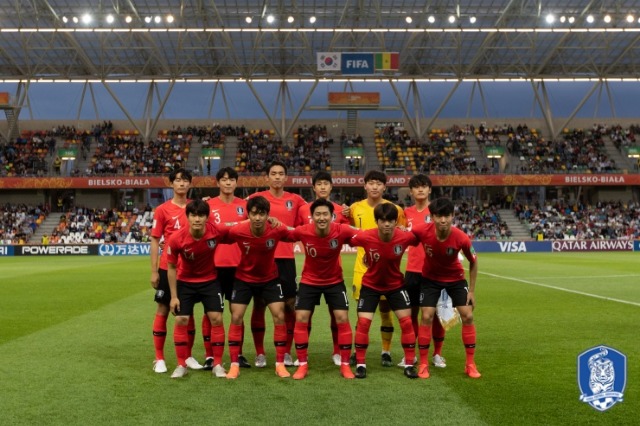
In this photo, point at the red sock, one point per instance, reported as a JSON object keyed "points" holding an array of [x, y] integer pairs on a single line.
{"points": [[437, 331], [242, 339], [469, 340], [424, 340], [258, 329], [235, 337], [280, 341], [334, 332], [345, 337], [159, 334], [290, 324], [206, 336], [362, 339], [191, 330], [301, 337], [181, 342], [217, 343], [408, 339], [415, 323]]}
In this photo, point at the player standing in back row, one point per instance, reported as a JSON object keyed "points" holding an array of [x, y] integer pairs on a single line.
{"points": [[284, 207], [169, 217]]}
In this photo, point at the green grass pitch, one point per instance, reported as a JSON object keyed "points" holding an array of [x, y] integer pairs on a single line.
{"points": [[76, 348]]}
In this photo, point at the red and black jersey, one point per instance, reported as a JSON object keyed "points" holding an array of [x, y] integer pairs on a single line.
{"points": [[257, 254], [220, 212], [322, 264], [383, 258], [195, 256], [441, 257], [167, 219]]}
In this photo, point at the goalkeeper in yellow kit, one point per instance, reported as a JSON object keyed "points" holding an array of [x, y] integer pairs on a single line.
{"points": [[361, 216]]}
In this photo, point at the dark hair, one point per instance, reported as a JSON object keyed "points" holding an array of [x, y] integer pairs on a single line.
{"points": [[420, 180], [385, 211], [441, 207], [277, 163], [375, 175], [227, 171], [180, 171], [321, 202], [198, 208], [321, 175], [260, 203]]}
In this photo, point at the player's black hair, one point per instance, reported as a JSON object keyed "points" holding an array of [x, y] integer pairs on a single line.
{"points": [[321, 175], [197, 208], [441, 207], [260, 203], [321, 202], [277, 163], [385, 211], [420, 180], [375, 175], [184, 174], [229, 171]]}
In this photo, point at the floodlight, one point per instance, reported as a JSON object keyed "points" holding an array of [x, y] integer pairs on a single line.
{"points": [[157, 19], [270, 19], [128, 19], [170, 19], [607, 18], [452, 19], [550, 18], [472, 19], [248, 20], [590, 19], [86, 18], [290, 19], [109, 19], [147, 19], [312, 20], [431, 19]]}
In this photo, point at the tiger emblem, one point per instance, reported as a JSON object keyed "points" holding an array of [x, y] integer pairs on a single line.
{"points": [[602, 376]]}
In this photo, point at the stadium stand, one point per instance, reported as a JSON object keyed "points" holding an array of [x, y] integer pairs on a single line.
{"points": [[19, 222], [561, 220]]}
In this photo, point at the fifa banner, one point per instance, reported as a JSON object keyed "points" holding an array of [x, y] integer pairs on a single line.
{"points": [[358, 63], [147, 182]]}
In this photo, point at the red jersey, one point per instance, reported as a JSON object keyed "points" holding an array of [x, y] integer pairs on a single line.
{"points": [[441, 261], [285, 209], [304, 214], [228, 256], [383, 258], [257, 263], [195, 256], [415, 255], [167, 219], [322, 254]]}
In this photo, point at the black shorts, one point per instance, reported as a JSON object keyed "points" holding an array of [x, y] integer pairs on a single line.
{"points": [[287, 276], [227, 276], [369, 299], [209, 293], [163, 292], [334, 294], [270, 291], [430, 292], [413, 283]]}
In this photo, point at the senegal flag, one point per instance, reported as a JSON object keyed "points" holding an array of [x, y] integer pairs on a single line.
{"points": [[387, 61]]}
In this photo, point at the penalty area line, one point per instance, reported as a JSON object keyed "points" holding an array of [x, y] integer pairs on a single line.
{"points": [[553, 287]]}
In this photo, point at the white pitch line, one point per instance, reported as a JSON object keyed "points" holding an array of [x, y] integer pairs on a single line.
{"points": [[591, 276], [626, 302]]}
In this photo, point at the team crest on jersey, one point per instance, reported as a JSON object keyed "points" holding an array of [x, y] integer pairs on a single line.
{"points": [[427, 219], [289, 205], [333, 243], [271, 243], [602, 377], [240, 211], [398, 250], [212, 244], [451, 251]]}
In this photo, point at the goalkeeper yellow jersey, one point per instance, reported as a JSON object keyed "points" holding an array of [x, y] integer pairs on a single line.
{"points": [[362, 218]]}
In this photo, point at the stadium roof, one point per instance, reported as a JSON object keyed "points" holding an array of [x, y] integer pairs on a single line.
{"points": [[213, 40]]}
